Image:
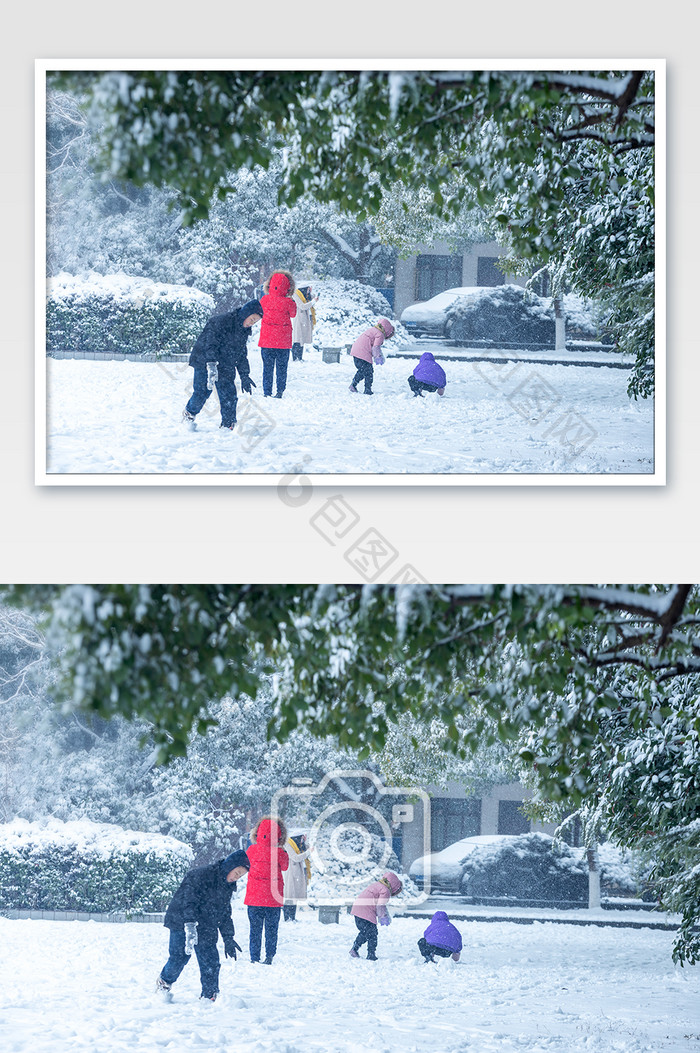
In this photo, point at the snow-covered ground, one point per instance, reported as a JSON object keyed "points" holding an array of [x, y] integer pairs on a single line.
{"points": [[497, 417], [85, 986]]}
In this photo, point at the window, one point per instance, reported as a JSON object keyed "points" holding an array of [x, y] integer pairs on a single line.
{"points": [[487, 273], [452, 818], [510, 819], [434, 274]]}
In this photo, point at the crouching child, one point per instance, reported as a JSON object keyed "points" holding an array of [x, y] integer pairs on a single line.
{"points": [[427, 376], [369, 909], [441, 938], [198, 912]]}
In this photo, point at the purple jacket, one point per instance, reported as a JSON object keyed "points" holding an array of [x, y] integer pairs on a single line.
{"points": [[371, 903], [442, 933], [429, 371]]}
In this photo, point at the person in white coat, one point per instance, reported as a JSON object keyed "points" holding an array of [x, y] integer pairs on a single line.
{"points": [[303, 322], [297, 876]]}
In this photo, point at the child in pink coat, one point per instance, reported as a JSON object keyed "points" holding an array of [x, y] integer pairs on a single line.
{"points": [[368, 349], [370, 908]]}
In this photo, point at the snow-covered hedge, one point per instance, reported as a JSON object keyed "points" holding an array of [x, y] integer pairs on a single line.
{"points": [[535, 866], [506, 314], [510, 314], [86, 866], [531, 866], [346, 308], [123, 314], [584, 318]]}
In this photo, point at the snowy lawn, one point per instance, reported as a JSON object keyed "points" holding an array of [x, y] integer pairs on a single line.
{"points": [[72, 986], [496, 418]]}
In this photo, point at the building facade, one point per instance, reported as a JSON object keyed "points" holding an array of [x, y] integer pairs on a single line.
{"points": [[434, 269], [454, 815]]}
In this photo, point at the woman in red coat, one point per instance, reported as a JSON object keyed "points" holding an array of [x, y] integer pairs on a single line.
{"points": [[264, 893], [275, 341]]}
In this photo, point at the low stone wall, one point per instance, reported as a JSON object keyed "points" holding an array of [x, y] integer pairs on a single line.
{"points": [[108, 356], [78, 915]]}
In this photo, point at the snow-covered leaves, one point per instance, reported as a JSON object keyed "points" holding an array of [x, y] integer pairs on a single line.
{"points": [[346, 308]]}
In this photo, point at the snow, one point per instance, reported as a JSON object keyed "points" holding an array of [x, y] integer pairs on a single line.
{"points": [[433, 310], [85, 837], [123, 288], [83, 986], [445, 865], [122, 418]]}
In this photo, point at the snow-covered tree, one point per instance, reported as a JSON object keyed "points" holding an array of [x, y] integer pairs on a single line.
{"points": [[106, 226], [407, 219], [606, 678], [543, 147], [25, 676]]}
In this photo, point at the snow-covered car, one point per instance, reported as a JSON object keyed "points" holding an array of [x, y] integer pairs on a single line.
{"points": [[526, 867], [428, 318], [447, 866]]}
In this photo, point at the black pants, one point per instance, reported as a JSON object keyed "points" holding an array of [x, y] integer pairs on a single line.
{"points": [[267, 918], [367, 934], [289, 911], [275, 362], [207, 956], [429, 950], [365, 371], [225, 388], [297, 352], [418, 386]]}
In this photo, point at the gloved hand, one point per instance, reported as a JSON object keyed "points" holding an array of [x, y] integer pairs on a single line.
{"points": [[190, 936], [230, 948], [247, 384], [385, 920], [380, 359], [212, 374]]}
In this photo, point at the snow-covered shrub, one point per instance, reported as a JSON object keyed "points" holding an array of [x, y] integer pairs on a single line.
{"points": [[506, 314], [86, 866], [123, 314], [531, 866], [344, 861], [346, 308], [622, 872], [584, 318]]}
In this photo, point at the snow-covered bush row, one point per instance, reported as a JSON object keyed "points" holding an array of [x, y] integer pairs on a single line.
{"points": [[534, 866], [345, 861], [585, 319], [622, 872], [526, 867], [86, 866], [511, 314], [346, 308], [123, 314]]}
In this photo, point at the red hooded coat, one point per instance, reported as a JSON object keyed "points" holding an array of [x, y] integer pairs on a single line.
{"points": [[267, 861], [278, 311]]}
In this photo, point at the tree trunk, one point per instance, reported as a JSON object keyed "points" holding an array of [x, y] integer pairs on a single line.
{"points": [[593, 879], [559, 325]]}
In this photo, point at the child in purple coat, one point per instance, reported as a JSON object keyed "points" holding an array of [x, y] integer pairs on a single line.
{"points": [[370, 908], [427, 376], [441, 938], [366, 350]]}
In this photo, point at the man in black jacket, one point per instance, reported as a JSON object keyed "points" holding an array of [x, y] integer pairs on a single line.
{"points": [[198, 912], [220, 350]]}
